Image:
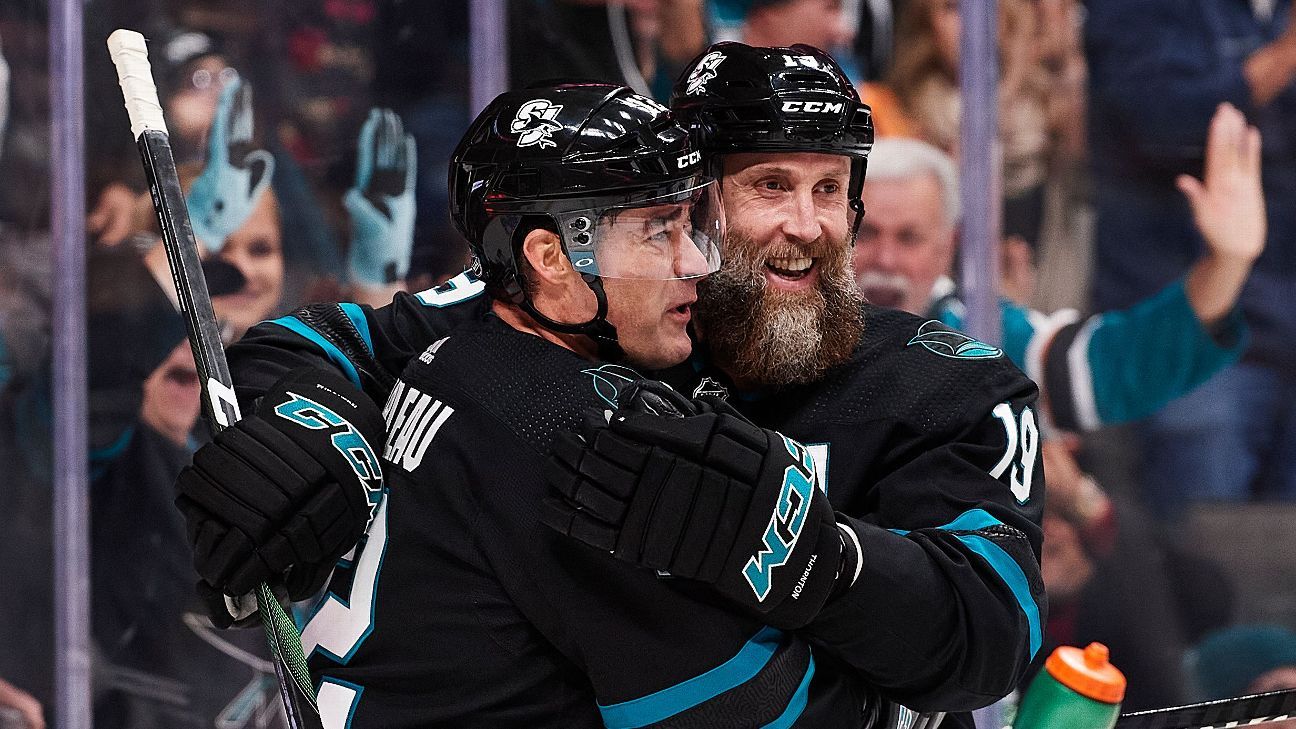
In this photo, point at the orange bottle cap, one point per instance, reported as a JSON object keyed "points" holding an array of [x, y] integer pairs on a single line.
{"points": [[1088, 672]]}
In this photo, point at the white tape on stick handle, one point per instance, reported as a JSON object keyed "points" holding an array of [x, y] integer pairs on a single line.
{"points": [[130, 56]]}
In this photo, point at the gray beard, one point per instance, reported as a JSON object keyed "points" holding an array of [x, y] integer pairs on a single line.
{"points": [[770, 338]]}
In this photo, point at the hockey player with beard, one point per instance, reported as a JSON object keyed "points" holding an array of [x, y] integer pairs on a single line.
{"points": [[923, 440]]}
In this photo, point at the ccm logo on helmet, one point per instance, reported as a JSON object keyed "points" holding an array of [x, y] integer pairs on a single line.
{"points": [[689, 159], [815, 107]]}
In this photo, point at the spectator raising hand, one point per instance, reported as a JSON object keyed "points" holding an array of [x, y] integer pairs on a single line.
{"points": [[1229, 209], [381, 203], [235, 174]]}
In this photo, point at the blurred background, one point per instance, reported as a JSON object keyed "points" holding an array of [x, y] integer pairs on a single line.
{"points": [[1169, 528]]}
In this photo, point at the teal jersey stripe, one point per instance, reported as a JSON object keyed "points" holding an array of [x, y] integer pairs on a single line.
{"points": [[1003, 565], [1011, 573], [357, 317], [295, 325], [655, 707], [797, 705], [971, 520]]}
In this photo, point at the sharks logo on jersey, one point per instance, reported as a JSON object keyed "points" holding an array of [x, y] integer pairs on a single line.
{"points": [[955, 345], [534, 123], [786, 522], [347, 440], [610, 380], [704, 72]]}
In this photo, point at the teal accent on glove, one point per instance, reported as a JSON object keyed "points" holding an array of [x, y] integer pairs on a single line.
{"points": [[226, 193], [381, 203]]}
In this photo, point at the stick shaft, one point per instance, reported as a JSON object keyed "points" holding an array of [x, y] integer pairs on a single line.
{"points": [[219, 404], [1241, 711]]}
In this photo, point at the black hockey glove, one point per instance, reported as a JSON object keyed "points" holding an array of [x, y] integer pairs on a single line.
{"points": [[700, 492], [286, 491]]}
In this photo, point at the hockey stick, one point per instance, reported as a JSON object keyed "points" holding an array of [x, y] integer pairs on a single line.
{"points": [[1240, 711], [219, 404]]}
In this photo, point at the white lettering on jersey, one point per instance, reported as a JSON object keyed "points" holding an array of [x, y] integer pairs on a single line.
{"points": [[459, 289], [413, 420], [1023, 469], [819, 452]]}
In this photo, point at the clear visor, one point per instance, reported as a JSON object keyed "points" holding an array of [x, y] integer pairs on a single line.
{"points": [[674, 236]]}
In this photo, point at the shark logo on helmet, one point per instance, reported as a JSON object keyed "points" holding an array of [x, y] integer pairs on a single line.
{"points": [[704, 72], [534, 123]]}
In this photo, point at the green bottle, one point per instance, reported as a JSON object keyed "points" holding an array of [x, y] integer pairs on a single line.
{"points": [[1078, 689]]}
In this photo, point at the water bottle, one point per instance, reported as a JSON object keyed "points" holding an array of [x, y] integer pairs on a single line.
{"points": [[1078, 689]]}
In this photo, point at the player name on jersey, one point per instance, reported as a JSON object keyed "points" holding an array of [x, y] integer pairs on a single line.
{"points": [[413, 420]]}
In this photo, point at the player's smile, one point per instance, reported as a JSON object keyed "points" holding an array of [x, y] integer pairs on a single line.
{"points": [[792, 267], [792, 273]]}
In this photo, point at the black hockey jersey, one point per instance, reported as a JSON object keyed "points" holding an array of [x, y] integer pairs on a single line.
{"points": [[928, 448], [462, 610], [926, 445]]}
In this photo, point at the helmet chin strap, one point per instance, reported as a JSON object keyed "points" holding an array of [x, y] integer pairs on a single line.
{"points": [[856, 205], [855, 191], [598, 328]]}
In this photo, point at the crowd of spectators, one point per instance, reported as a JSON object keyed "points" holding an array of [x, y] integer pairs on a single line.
{"points": [[332, 122]]}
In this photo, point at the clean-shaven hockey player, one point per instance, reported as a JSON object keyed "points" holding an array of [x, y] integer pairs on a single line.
{"points": [[941, 490]]}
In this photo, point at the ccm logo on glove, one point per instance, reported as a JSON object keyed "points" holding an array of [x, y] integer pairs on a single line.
{"points": [[785, 522], [348, 441]]}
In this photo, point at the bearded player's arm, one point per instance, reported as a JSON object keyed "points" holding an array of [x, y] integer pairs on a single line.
{"points": [[929, 588], [946, 609]]}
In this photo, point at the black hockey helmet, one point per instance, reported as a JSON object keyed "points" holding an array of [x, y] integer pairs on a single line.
{"points": [[740, 98], [577, 158]]}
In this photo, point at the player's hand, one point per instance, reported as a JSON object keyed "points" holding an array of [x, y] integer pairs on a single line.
{"points": [[287, 490], [1228, 203], [708, 496], [235, 174], [381, 203]]}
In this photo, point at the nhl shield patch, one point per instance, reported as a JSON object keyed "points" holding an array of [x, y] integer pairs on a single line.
{"points": [[709, 387]]}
